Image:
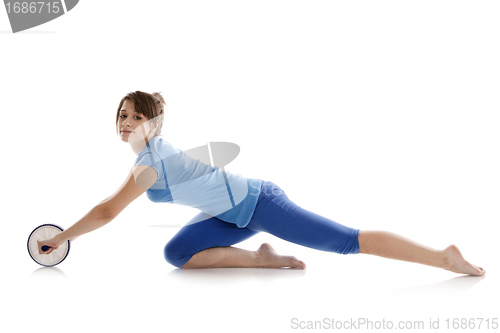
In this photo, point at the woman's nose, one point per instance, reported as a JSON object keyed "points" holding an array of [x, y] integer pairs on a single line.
{"points": [[125, 123]]}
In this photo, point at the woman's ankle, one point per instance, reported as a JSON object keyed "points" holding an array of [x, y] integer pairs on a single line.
{"points": [[446, 259]]}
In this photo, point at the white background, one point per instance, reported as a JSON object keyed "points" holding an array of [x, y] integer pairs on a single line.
{"points": [[381, 115]]}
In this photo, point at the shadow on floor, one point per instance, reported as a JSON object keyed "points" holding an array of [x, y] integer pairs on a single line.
{"points": [[224, 276]]}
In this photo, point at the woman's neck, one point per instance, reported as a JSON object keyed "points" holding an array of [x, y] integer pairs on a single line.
{"points": [[138, 146]]}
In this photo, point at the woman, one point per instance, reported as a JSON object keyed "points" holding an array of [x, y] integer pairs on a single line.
{"points": [[233, 208]]}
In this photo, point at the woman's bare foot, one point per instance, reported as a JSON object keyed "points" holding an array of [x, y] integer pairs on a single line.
{"points": [[270, 259], [455, 262]]}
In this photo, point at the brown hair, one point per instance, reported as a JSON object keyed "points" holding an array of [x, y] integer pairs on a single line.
{"points": [[152, 106]]}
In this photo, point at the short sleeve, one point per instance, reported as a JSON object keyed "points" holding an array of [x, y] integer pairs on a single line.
{"points": [[151, 159]]}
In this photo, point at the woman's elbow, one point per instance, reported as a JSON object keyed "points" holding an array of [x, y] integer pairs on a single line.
{"points": [[105, 212]]}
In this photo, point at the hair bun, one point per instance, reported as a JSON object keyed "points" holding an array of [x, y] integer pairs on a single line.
{"points": [[160, 100]]}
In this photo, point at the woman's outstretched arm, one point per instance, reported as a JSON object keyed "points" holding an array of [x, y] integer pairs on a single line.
{"points": [[138, 181], [100, 205]]}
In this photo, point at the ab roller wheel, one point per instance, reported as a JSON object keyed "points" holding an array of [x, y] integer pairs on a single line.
{"points": [[43, 232]]}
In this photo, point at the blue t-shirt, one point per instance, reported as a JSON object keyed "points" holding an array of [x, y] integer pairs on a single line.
{"points": [[190, 182]]}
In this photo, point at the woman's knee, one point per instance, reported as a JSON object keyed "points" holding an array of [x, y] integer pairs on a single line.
{"points": [[351, 243], [173, 254]]}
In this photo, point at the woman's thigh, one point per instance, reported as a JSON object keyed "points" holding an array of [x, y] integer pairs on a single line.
{"points": [[200, 233], [276, 214]]}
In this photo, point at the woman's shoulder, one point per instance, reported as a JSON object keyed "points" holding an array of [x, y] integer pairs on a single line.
{"points": [[161, 147]]}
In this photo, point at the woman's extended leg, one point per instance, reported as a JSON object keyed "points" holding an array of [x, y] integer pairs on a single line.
{"points": [[390, 245], [277, 215]]}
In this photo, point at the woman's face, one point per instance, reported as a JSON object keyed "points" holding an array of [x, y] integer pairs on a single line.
{"points": [[132, 126]]}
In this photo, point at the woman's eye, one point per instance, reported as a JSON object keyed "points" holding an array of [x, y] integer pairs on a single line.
{"points": [[126, 116]]}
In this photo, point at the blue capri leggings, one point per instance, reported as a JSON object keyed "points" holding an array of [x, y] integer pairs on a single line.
{"points": [[274, 214]]}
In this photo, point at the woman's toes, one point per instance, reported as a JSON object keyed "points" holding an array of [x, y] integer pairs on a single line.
{"points": [[293, 262], [476, 270]]}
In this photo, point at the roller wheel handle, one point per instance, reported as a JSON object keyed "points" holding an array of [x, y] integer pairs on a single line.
{"points": [[45, 248]]}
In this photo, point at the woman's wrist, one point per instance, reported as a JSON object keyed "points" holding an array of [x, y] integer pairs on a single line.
{"points": [[60, 238]]}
